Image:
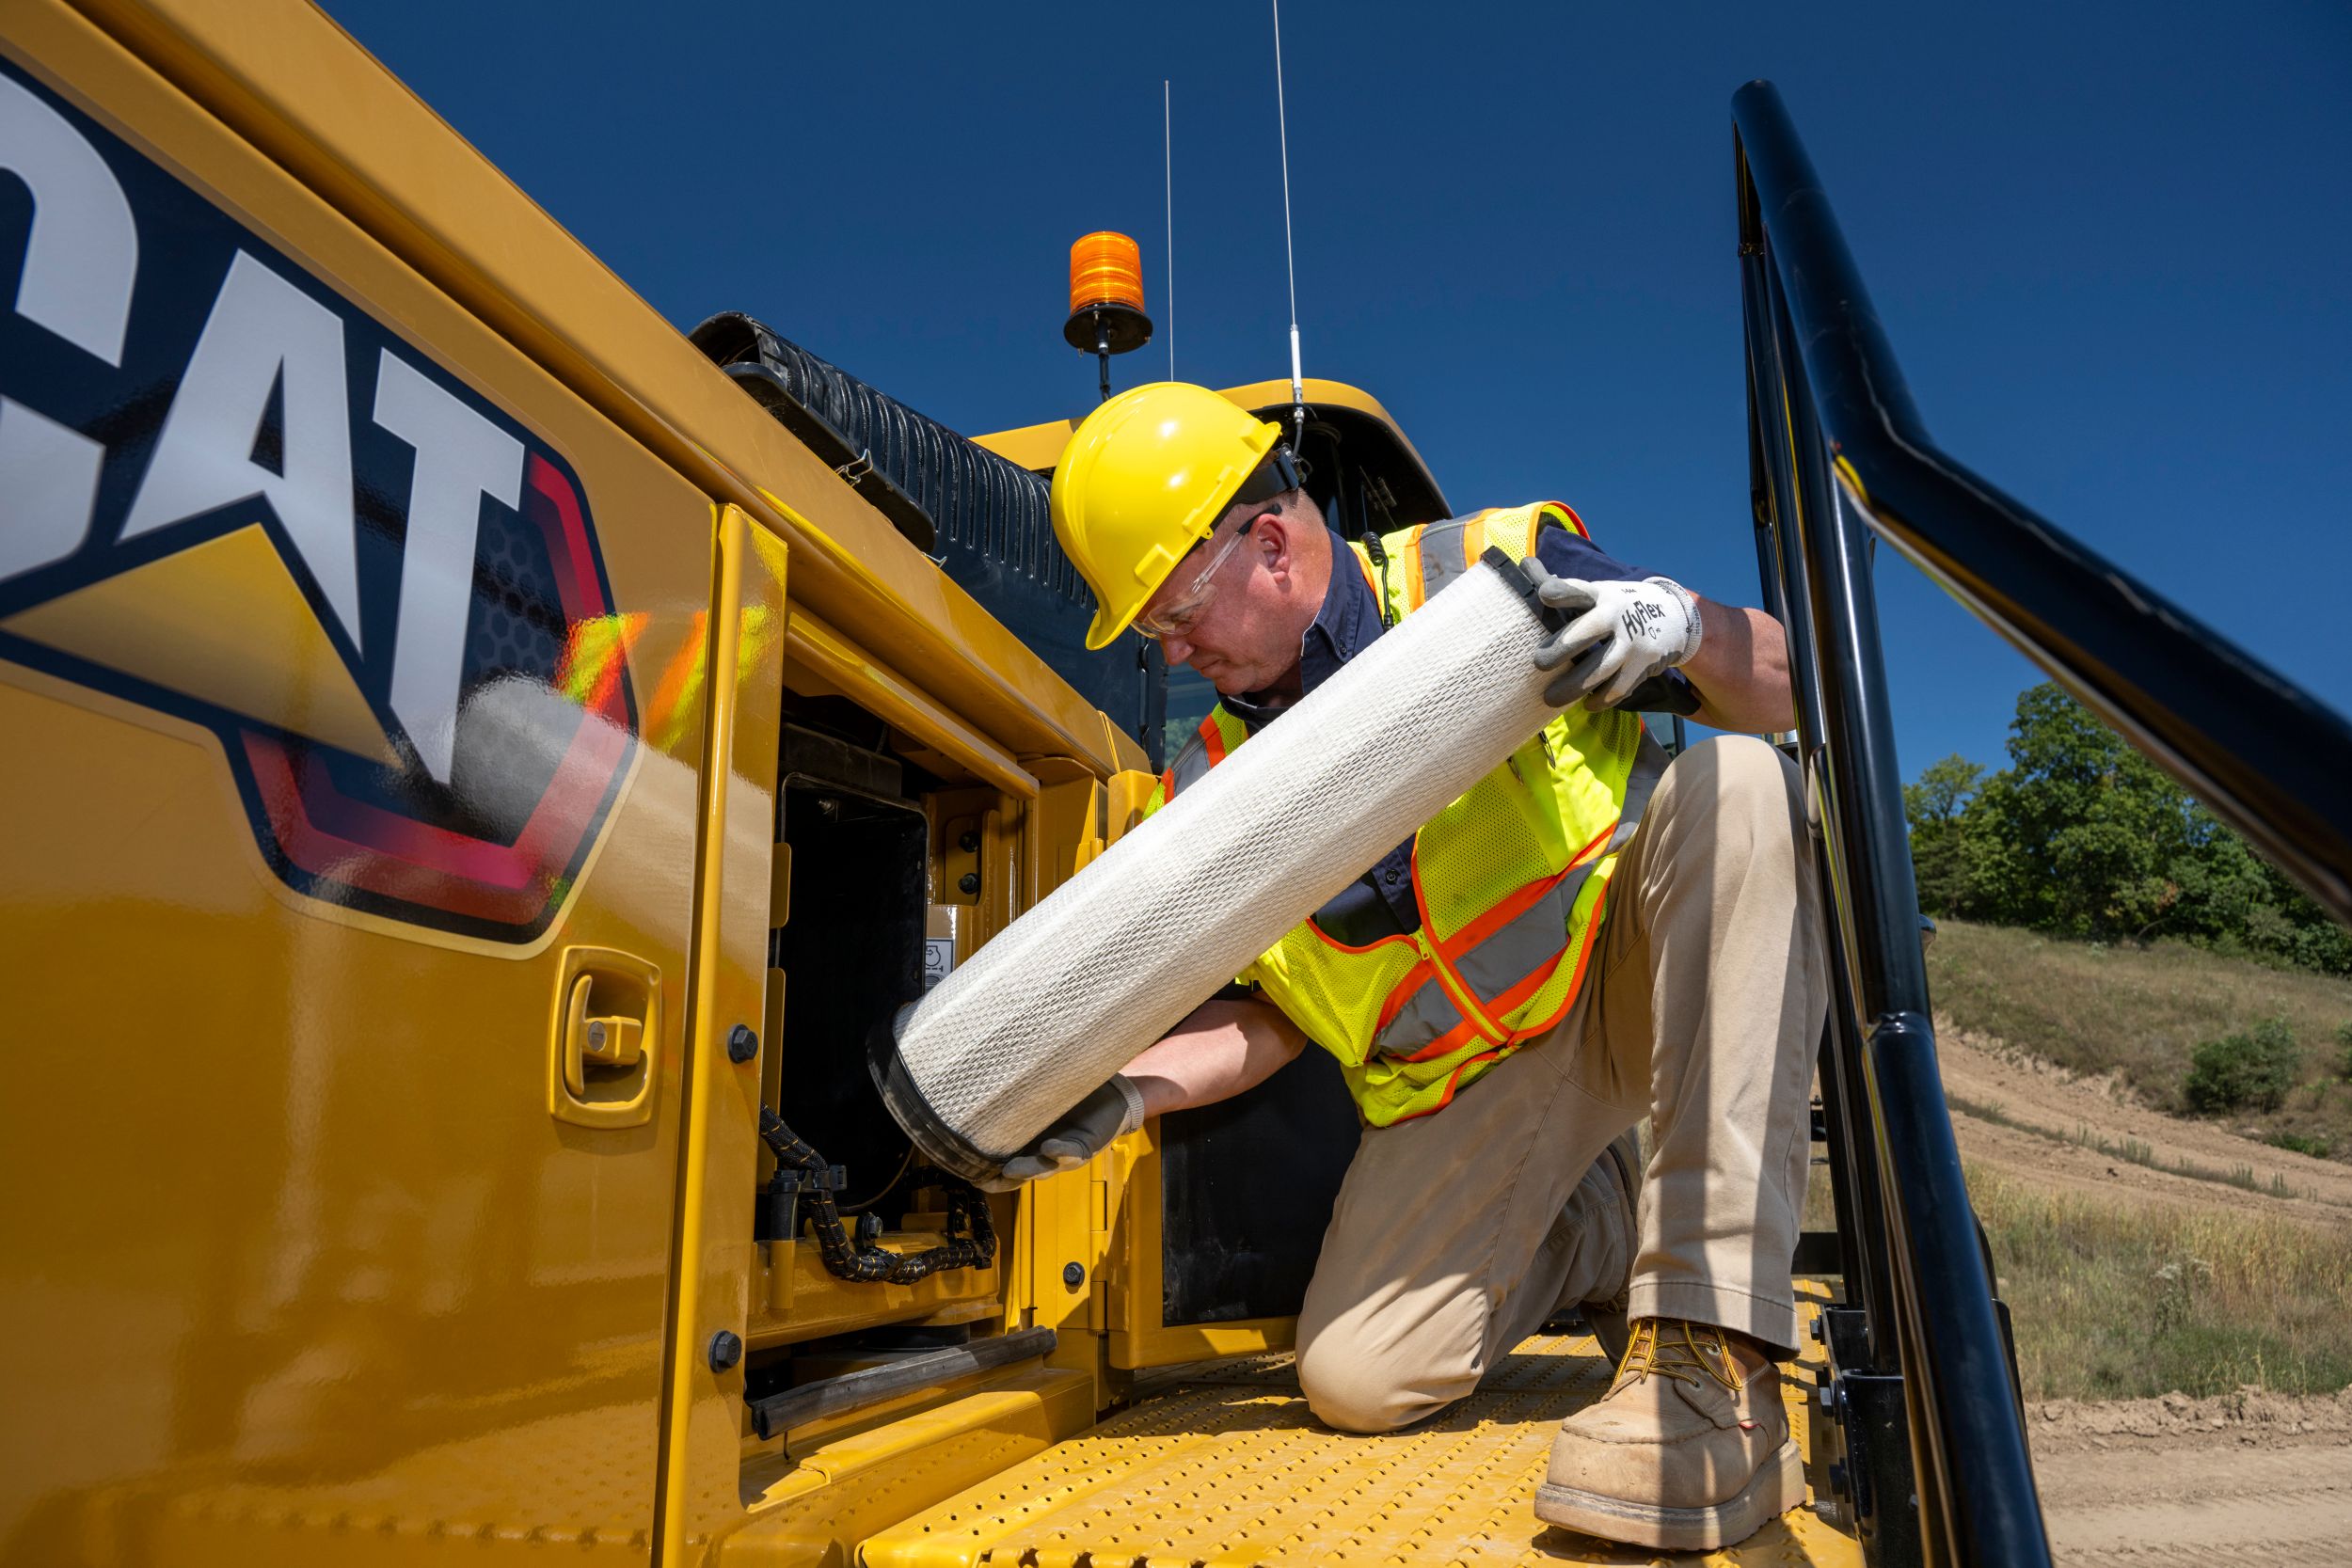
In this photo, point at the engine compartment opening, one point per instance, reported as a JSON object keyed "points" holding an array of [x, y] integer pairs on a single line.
{"points": [[855, 1234], [851, 955]]}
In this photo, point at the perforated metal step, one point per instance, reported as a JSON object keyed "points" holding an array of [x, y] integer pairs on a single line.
{"points": [[1220, 1464]]}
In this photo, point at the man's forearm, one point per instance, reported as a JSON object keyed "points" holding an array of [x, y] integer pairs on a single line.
{"points": [[1742, 670], [1222, 1049]]}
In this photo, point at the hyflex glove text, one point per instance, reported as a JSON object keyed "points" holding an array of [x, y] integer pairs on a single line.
{"points": [[1620, 634]]}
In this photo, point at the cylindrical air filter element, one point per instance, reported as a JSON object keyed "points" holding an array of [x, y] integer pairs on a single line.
{"points": [[1076, 988]]}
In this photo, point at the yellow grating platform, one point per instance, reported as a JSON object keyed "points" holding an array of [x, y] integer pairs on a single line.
{"points": [[1220, 1464]]}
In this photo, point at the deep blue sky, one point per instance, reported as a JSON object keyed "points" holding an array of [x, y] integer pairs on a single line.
{"points": [[2112, 244]]}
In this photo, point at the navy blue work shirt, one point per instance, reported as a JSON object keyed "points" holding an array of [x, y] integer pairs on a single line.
{"points": [[1380, 903]]}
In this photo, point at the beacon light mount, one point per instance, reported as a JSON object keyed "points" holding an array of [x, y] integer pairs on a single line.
{"points": [[1106, 299]]}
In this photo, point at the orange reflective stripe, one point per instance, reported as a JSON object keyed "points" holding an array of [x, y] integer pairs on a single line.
{"points": [[1456, 1039], [1452, 1040], [1455, 1082], [1510, 907], [1526, 985], [1491, 1011], [1464, 999], [1403, 992], [1213, 737], [1515, 904], [1469, 943], [1593, 845], [1576, 981], [1208, 746], [1450, 1083], [1452, 1001]]}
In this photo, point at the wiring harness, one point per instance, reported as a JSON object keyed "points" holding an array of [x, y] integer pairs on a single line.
{"points": [[803, 1176]]}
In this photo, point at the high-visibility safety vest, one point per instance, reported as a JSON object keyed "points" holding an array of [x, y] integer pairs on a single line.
{"points": [[1509, 880]]}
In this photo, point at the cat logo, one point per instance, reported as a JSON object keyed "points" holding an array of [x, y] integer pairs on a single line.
{"points": [[229, 494]]}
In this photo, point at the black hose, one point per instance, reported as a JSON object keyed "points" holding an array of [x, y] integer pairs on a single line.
{"points": [[862, 1262]]}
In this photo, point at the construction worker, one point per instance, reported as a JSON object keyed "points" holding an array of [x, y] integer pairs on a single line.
{"points": [[1585, 939]]}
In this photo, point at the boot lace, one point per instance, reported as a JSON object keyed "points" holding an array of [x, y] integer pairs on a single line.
{"points": [[1683, 1352]]}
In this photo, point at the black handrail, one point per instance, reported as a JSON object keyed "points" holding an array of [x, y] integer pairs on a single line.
{"points": [[1838, 455], [2269, 758], [1913, 1258]]}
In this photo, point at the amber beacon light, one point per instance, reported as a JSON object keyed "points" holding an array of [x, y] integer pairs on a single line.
{"points": [[1106, 299]]}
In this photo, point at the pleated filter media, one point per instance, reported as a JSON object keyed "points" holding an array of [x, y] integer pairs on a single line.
{"points": [[1073, 989]]}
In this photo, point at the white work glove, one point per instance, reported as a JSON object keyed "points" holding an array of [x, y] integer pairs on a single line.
{"points": [[1621, 634], [1076, 1136]]}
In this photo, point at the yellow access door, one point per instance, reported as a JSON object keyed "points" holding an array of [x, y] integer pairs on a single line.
{"points": [[351, 677]]}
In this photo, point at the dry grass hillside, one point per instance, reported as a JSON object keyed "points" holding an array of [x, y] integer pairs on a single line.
{"points": [[2137, 1014], [2145, 1252], [2182, 1286], [2131, 1300]]}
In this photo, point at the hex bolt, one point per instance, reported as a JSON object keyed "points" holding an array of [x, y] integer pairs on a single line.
{"points": [[742, 1045], [1073, 1275], [969, 881], [726, 1349], [969, 842]]}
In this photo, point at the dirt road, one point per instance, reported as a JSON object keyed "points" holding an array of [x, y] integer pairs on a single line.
{"points": [[2061, 1120], [2244, 1478]]}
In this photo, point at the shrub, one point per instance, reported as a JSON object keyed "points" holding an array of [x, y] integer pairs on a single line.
{"points": [[2236, 1072], [2314, 1146]]}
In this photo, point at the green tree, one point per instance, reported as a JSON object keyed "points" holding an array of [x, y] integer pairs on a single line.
{"points": [[1935, 805], [2083, 836]]}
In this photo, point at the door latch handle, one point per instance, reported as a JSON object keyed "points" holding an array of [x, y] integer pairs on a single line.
{"points": [[606, 1040], [603, 1047]]}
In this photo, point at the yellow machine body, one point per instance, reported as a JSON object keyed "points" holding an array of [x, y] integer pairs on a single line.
{"points": [[381, 1183]]}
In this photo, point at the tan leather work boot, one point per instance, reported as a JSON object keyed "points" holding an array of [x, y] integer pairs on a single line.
{"points": [[1687, 1452]]}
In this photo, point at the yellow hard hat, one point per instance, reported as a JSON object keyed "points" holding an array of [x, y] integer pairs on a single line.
{"points": [[1143, 478]]}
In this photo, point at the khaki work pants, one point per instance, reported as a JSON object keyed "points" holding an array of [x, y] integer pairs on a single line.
{"points": [[1456, 1234]]}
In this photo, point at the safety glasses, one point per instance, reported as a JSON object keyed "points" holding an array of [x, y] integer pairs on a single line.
{"points": [[1280, 474], [1184, 612]]}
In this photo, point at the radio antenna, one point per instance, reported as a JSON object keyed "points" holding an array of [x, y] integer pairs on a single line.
{"points": [[1290, 260], [1167, 173]]}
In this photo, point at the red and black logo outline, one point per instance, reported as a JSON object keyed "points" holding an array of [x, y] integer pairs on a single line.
{"points": [[343, 847], [391, 840]]}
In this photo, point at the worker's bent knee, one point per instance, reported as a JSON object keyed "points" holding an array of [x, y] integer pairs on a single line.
{"points": [[1744, 762], [1737, 778], [1355, 1392], [1358, 1401]]}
